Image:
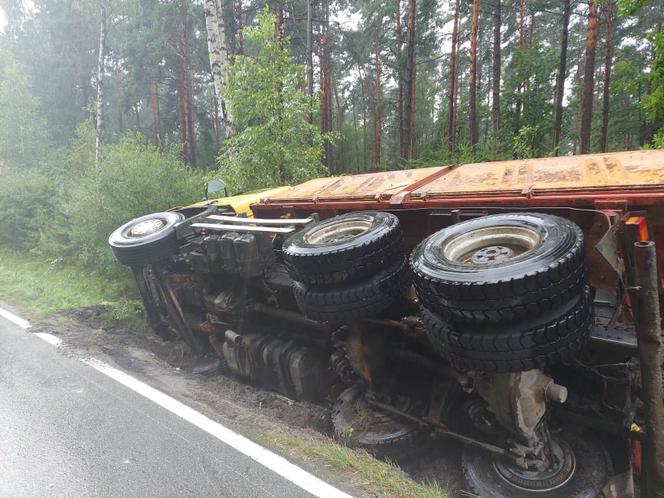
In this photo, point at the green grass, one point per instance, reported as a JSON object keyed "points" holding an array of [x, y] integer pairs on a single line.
{"points": [[39, 287], [365, 472]]}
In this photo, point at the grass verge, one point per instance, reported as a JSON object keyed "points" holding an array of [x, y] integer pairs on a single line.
{"points": [[374, 476], [39, 287]]}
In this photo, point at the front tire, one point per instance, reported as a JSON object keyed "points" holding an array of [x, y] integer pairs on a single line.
{"points": [[146, 240]]}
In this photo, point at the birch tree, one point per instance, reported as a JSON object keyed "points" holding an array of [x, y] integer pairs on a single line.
{"points": [[99, 111], [218, 54]]}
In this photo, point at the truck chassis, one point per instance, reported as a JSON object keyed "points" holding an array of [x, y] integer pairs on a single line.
{"points": [[526, 326]]}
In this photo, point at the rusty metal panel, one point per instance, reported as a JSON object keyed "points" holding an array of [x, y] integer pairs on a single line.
{"points": [[364, 186], [612, 171]]}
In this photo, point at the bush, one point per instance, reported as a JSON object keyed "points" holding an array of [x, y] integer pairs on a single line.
{"points": [[25, 203], [135, 179], [275, 143]]}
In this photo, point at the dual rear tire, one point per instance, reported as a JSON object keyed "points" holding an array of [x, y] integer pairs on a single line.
{"points": [[504, 293], [348, 268]]}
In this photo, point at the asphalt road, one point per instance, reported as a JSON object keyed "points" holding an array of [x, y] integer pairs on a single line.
{"points": [[68, 430]]}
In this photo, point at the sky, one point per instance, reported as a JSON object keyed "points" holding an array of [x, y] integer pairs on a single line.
{"points": [[3, 20]]}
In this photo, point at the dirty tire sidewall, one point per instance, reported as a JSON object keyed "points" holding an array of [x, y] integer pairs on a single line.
{"points": [[348, 260]]}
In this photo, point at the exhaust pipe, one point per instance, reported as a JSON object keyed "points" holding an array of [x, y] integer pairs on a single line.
{"points": [[650, 345]]}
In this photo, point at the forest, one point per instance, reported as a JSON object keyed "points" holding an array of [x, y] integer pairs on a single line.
{"points": [[113, 108]]}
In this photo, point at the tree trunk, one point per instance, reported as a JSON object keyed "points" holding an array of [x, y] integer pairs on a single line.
{"points": [[378, 104], [99, 121], [608, 62], [531, 29], [218, 53], [326, 83], [588, 79], [239, 26], [522, 45], [184, 92], [497, 53], [120, 98], [365, 137], [472, 90], [410, 84], [310, 55], [451, 127], [357, 137], [338, 122], [154, 108], [278, 19], [560, 79], [215, 126], [137, 117], [400, 78], [458, 77]]}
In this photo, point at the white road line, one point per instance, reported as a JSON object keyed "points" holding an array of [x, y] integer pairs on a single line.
{"points": [[16, 320], [50, 338], [265, 457]]}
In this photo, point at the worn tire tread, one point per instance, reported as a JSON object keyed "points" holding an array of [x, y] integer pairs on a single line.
{"points": [[356, 301], [512, 348]]}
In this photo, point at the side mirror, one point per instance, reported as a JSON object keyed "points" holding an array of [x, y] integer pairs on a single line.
{"points": [[215, 186]]}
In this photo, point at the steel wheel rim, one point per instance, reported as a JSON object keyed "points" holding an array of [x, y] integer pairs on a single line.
{"points": [[145, 228], [491, 245], [338, 232], [556, 476]]}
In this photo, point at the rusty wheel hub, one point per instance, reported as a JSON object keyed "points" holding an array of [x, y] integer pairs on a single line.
{"points": [[555, 475], [492, 254]]}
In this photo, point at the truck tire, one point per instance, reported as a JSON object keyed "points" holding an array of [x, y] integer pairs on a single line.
{"points": [[490, 477], [359, 425], [534, 343], [343, 249], [500, 268], [146, 240], [354, 301]]}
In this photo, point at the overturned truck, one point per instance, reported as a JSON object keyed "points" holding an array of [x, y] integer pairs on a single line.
{"points": [[512, 306]]}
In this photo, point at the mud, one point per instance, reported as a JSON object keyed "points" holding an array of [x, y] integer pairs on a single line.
{"points": [[168, 366]]}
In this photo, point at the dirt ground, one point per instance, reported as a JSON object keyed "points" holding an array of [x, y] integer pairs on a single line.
{"points": [[169, 367]]}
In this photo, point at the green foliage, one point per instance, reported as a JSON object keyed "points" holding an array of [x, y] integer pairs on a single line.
{"points": [[654, 102], [527, 143], [25, 201], [275, 144], [23, 132], [135, 179], [630, 7], [658, 139]]}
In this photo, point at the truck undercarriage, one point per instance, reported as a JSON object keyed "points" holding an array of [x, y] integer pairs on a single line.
{"points": [[527, 330]]}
